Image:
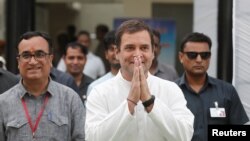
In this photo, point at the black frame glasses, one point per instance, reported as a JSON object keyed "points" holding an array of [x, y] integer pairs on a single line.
{"points": [[193, 55], [38, 56]]}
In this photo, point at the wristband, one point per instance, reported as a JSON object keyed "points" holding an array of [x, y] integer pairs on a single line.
{"points": [[149, 102], [132, 101]]}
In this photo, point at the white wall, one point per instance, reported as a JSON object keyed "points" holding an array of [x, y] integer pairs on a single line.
{"points": [[205, 21], [241, 56]]}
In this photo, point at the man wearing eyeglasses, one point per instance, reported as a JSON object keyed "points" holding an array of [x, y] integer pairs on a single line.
{"points": [[38, 108], [212, 101]]}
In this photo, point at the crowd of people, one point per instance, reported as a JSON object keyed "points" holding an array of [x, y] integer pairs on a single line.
{"points": [[134, 96]]}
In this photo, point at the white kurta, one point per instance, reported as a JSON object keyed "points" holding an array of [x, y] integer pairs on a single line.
{"points": [[107, 76], [108, 117]]}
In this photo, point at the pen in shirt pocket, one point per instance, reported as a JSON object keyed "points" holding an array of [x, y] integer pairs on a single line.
{"points": [[49, 115]]}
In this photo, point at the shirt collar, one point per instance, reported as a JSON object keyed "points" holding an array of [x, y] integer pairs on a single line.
{"points": [[85, 80], [52, 87], [209, 80]]}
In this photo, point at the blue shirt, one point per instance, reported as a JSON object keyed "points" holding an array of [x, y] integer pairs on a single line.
{"points": [[200, 104], [63, 118]]}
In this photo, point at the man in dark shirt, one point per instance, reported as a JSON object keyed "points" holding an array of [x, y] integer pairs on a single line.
{"points": [[7, 80], [212, 101], [75, 59], [63, 78]]}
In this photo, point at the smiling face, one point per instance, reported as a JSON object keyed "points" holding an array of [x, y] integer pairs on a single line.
{"points": [[75, 61], [34, 69], [196, 66], [134, 45]]}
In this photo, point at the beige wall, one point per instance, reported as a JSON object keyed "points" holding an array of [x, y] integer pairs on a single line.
{"points": [[127, 8], [2, 24], [173, 1], [108, 1], [92, 14], [137, 8]]}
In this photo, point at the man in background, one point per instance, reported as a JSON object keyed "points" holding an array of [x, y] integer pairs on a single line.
{"points": [[101, 30], [63, 78], [110, 48], [135, 105], [158, 68], [75, 60], [94, 66], [38, 108], [212, 101]]}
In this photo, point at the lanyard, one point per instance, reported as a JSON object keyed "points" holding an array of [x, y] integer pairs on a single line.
{"points": [[33, 129]]}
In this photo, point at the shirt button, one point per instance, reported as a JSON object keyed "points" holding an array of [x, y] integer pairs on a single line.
{"points": [[84, 97]]}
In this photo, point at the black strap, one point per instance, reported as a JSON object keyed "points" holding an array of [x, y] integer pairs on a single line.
{"points": [[149, 102]]}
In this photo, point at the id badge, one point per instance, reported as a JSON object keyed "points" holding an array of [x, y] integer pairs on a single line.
{"points": [[217, 112]]}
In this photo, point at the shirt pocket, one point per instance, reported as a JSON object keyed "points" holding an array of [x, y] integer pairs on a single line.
{"points": [[18, 129], [56, 127], [59, 120]]}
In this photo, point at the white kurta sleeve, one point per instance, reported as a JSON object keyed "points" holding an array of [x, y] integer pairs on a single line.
{"points": [[173, 119], [102, 125]]}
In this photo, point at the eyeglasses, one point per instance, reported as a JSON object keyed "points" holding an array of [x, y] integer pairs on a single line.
{"points": [[38, 56], [193, 55]]}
